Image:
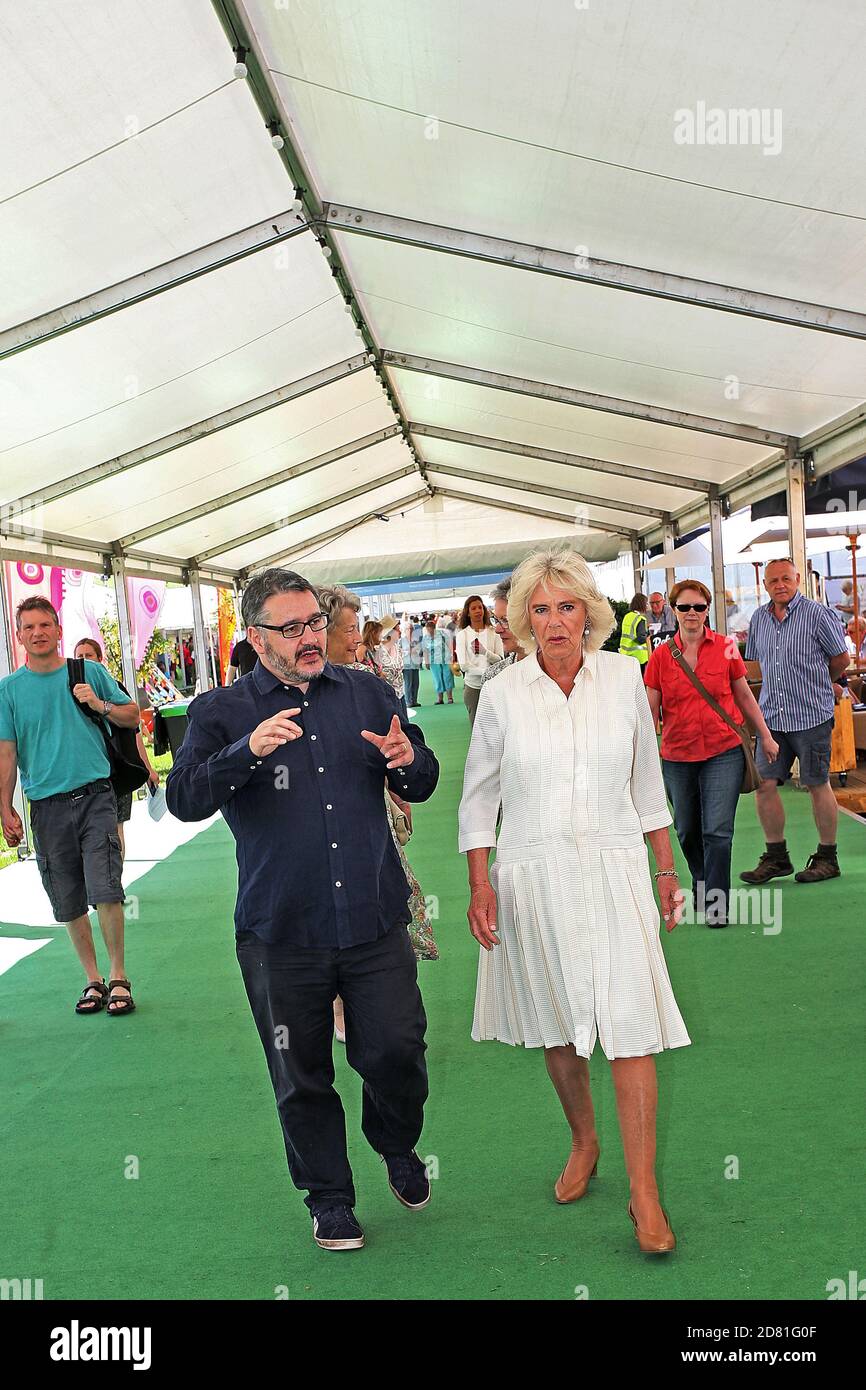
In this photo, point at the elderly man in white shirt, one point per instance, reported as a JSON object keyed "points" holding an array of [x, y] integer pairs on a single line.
{"points": [[566, 918]]}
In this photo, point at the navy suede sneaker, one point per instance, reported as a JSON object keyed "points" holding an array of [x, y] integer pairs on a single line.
{"points": [[335, 1228], [408, 1180]]}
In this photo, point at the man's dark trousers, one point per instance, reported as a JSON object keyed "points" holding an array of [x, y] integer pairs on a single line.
{"points": [[291, 990], [411, 676]]}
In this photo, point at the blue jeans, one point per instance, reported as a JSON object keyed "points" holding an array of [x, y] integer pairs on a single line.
{"points": [[704, 797]]}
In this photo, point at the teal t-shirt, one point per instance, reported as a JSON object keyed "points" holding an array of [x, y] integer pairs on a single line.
{"points": [[59, 748]]}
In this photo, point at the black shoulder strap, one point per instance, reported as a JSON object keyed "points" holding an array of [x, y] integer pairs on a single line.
{"points": [[76, 676], [74, 671]]}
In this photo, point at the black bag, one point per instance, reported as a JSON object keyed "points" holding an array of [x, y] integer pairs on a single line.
{"points": [[128, 772]]}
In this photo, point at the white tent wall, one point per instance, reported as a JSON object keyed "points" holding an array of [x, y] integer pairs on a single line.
{"points": [[150, 342]]}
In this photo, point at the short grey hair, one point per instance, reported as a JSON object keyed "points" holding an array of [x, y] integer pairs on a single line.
{"points": [[334, 598], [264, 585], [501, 590]]}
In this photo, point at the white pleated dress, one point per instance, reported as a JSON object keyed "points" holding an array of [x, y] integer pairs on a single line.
{"points": [[580, 782]]}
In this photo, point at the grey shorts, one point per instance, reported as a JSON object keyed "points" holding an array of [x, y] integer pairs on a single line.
{"points": [[78, 852], [811, 746]]}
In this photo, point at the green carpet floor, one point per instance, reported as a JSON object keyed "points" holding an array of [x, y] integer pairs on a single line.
{"points": [[772, 1086]]}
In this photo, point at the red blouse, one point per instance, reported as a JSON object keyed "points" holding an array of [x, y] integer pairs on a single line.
{"points": [[691, 731]]}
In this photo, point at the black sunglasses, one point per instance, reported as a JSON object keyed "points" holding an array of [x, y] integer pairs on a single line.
{"points": [[691, 607]]}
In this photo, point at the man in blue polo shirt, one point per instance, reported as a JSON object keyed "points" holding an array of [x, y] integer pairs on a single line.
{"points": [[296, 756], [65, 775], [801, 648]]}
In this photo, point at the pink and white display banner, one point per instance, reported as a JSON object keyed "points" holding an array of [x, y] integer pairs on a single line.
{"points": [[80, 602]]}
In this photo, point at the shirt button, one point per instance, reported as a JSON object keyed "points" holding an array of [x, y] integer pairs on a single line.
{"points": [[334, 845], [313, 737], [321, 769], [306, 702], [329, 807], [338, 884], [231, 789]]}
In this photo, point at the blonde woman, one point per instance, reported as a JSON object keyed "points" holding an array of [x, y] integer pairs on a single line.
{"points": [[566, 919]]}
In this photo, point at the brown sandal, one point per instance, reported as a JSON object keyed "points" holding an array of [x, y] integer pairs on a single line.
{"points": [[92, 1003], [125, 1005]]}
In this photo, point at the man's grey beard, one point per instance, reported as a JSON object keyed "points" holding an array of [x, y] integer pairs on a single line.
{"points": [[291, 674]]}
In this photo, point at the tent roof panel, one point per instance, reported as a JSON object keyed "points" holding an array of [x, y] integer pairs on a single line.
{"points": [[206, 173], [580, 517], [249, 452], [289, 537], [603, 340], [571, 429], [561, 133], [540, 473], [223, 525], [444, 536], [171, 361]]}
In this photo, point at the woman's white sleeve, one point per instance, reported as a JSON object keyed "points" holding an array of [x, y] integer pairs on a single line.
{"points": [[647, 787], [479, 805], [460, 647]]}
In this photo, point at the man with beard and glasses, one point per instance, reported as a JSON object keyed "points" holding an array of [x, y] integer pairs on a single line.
{"points": [[294, 757]]}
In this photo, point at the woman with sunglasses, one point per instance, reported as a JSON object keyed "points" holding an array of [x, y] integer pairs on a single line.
{"points": [[702, 757], [477, 648]]}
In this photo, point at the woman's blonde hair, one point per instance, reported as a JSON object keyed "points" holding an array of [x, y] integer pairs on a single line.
{"points": [[558, 569]]}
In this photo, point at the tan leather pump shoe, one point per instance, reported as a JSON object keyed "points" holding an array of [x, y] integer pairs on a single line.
{"points": [[654, 1242], [573, 1181]]}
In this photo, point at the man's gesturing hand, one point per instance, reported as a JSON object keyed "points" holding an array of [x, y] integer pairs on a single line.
{"points": [[274, 732], [394, 745]]}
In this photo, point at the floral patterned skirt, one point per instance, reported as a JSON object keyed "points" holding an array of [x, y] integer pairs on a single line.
{"points": [[420, 929]]}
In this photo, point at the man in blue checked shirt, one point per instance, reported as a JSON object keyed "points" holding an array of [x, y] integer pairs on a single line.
{"points": [[296, 755], [801, 647]]}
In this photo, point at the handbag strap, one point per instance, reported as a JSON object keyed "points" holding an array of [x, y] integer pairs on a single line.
{"points": [[702, 691]]}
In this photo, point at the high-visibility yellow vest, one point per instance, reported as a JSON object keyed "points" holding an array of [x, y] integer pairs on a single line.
{"points": [[628, 643]]}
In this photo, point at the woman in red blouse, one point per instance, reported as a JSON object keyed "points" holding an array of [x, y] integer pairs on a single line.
{"points": [[702, 758]]}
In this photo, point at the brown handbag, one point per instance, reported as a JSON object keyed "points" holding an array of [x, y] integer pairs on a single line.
{"points": [[751, 776]]}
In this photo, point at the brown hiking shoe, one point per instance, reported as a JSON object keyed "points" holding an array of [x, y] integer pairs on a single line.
{"points": [[820, 866], [768, 866]]}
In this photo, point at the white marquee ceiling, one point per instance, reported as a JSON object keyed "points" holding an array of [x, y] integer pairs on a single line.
{"points": [[183, 381]]}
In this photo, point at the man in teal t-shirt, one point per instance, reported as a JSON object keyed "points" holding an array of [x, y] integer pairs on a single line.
{"points": [[64, 768]]}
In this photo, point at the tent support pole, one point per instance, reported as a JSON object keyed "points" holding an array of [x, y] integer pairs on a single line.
{"points": [[795, 478], [7, 666], [124, 625], [668, 544], [636, 565], [202, 661], [717, 561]]}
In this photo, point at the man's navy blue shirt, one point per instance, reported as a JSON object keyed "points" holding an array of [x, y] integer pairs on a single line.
{"points": [[317, 865]]}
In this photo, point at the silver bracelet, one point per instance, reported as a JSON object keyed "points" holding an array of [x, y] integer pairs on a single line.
{"points": [[665, 873]]}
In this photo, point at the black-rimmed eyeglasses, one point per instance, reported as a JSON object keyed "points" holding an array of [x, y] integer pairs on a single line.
{"points": [[317, 623]]}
